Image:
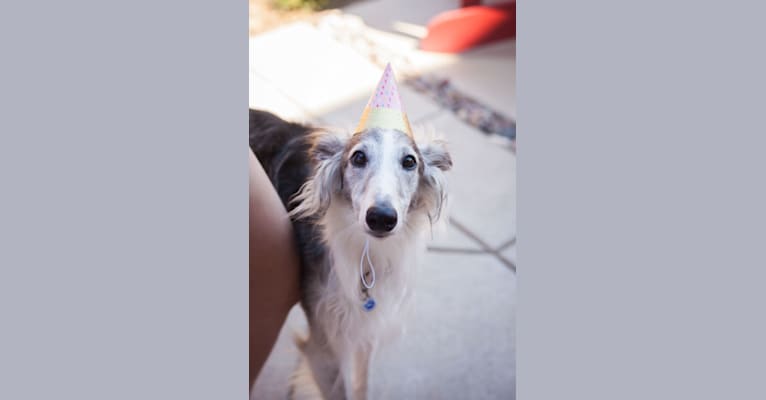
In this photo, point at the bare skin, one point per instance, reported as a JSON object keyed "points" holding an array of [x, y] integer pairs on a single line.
{"points": [[274, 269]]}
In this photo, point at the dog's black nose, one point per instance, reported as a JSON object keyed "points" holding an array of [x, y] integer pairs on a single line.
{"points": [[381, 218]]}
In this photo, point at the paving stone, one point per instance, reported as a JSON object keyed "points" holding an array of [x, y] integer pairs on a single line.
{"points": [[460, 342], [451, 238], [317, 72], [488, 74], [265, 96], [482, 181], [510, 253], [334, 92]]}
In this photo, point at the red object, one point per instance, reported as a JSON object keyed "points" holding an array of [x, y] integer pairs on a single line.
{"points": [[459, 30]]}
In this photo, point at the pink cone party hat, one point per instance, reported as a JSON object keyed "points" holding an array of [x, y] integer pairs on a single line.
{"points": [[384, 109]]}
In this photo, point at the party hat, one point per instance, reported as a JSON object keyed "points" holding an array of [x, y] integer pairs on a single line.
{"points": [[384, 109]]}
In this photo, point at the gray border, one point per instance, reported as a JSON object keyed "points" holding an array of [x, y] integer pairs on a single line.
{"points": [[123, 218], [124, 190], [641, 200]]}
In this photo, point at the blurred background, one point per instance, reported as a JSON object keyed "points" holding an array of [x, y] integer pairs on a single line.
{"points": [[317, 62]]}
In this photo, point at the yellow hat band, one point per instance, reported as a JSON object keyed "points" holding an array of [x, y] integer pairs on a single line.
{"points": [[384, 118]]}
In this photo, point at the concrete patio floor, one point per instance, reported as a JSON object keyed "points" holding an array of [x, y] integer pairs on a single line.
{"points": [[461, 340]]}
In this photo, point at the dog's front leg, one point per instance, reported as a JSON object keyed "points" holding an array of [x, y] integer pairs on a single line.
{"points": [[324, 365], [356, 373]]}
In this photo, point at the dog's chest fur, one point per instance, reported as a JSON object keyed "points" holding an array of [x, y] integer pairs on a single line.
{"points": [[333, 295]]}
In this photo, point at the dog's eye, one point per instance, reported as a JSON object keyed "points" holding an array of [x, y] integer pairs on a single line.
{"points": [[359, 159], [409, 163]]}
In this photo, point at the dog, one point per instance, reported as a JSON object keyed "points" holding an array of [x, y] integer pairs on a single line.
{"points": [[362, 205]]}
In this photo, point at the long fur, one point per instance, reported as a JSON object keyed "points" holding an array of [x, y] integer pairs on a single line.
{"points": [[306, 166]]}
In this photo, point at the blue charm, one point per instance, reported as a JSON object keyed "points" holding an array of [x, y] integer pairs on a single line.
{"points": [[369, 304]]}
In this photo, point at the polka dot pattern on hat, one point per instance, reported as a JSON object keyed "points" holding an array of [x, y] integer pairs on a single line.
{"points": [[387, 93]]}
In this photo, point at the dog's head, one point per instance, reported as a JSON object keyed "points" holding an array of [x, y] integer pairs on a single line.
{"points": [[382, 174]]}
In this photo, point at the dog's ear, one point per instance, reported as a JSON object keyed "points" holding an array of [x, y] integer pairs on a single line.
{"points": [[326, 146], [436, 160], [435, 154], [315, 195]]}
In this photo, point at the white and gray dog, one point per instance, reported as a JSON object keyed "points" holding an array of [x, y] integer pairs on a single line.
{"points": [[362, 206]]}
